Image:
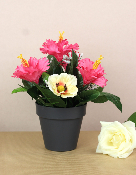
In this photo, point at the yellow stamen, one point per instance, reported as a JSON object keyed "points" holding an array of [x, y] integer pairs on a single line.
{"points": [[61, 36], [60, 88], [23, 61], [97, 62]]}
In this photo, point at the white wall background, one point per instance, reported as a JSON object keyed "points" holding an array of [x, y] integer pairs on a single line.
{"points": [[106, 27]]}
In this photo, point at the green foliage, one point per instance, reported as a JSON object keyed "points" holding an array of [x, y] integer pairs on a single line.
{"points": [[132, 118], [100, 89], [80, 85], [55, 67], [45, 76], [50, 57], [53, 99], [100, 99], [68, 68], [20, 89], [72, 69], [88, 95], [73, 64], [33, 92], [69, 102], [104, 96], [114, 99], [27, 84]]}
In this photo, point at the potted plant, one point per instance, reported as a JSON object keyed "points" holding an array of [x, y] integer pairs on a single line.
{"points": [[62, 83]]}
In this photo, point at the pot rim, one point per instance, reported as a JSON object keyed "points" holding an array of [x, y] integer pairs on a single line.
{"points": [[48, 112], [61, 107]]}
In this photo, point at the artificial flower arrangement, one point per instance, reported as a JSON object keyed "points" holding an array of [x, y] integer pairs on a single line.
{"points": [[64, 80]]}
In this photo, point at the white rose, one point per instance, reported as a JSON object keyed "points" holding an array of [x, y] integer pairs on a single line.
{"points": [[116, 139]]}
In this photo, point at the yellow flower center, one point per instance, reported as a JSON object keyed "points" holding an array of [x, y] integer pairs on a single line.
{"points": [[61, 36], [97, 62], [23, 61], [60, 88]]}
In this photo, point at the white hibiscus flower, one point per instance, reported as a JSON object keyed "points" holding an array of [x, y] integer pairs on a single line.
{"points": [[63, 85]]}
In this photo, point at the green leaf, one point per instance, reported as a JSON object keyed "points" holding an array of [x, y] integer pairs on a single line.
{"points": [[45, 76], [100, 99], [51, 97], [41, 102], [27, 84], [79, 83], [33, 92], [72, 69], [20, 89], [100, 89], [76, 100], [67, 68], [84, 87], [132, 118], [70, 102], [81, 103], [73, 64], [89, 95], [104, 97], [55, 67], [114, 99], [49, 57]]}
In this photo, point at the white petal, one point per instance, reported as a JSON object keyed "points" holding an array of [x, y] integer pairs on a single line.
{"points": [[125, 155], [129, 124]]}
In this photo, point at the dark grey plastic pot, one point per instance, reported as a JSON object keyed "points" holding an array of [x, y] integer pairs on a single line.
{"points": [[60, 126]]}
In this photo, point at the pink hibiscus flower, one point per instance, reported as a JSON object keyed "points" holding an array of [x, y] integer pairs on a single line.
{"points": [[58, 49], [33, 71], [90, 75]]}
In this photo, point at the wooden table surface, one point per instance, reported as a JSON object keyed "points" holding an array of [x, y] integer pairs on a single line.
{"points": [[23, 153]]}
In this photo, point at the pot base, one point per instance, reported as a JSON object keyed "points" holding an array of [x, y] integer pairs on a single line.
{"points": [[60, 135]]}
